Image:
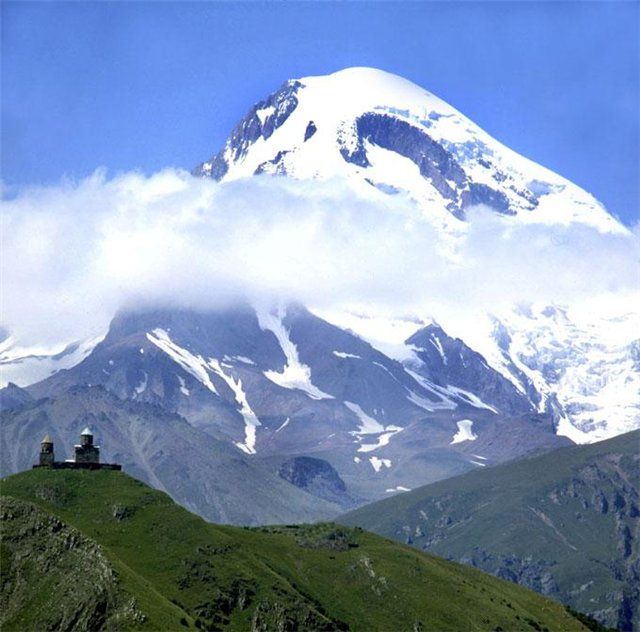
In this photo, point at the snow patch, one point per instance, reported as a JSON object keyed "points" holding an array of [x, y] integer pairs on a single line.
{"points": [[251, 421], [465, 433], [239, 358], [195, 365], [444, 403], [422, 402], [142, 387], [265, 113], [383, 439], [469, 398], [377, 463], [435, 341], [295, 375], [183, 385], [344, 354], [368, 424]]}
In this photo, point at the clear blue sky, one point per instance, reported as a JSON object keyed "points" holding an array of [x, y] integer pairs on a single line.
{"points": [[145, 85]]}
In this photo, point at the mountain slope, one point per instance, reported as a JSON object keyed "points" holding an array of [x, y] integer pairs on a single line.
{"points": [[202, 473], [285, 417], [565, 523], [55, 578], [319, 577]]}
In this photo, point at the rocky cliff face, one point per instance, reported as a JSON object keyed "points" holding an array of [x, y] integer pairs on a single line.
{"points": [[259, 123], [316, 476], [54, 578]]}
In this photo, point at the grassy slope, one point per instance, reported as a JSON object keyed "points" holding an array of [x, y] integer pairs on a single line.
{"points": [[316, 577], [549, 508]]}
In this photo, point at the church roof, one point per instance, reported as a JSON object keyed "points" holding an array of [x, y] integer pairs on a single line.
{"points": [[47, 439], [86, 431]]}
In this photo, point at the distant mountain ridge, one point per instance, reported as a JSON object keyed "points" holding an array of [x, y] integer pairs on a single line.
{"points": [[251, 394]]}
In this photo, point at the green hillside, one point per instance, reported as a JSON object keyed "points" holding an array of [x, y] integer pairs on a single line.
{"points": [[565, 524], [99, 550]]}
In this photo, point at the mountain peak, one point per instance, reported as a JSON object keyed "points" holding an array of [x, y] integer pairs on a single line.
{"points": [[360, 84], [386, 136]]}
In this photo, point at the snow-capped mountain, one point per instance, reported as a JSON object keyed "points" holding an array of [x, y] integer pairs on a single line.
{"points": [[384, 133], [387, 136], [293, 412]]}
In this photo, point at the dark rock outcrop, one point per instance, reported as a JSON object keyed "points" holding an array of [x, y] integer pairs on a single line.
{"points": [[316, 476], [275, 110]]}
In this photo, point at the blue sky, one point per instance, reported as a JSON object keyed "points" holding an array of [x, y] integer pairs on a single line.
{"points": [[136, 85]]}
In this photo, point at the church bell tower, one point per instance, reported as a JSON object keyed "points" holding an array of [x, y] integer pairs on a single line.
{"points": [[47, 457]]}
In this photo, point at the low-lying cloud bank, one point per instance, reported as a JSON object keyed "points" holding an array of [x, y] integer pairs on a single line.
{"points": [[73, 254]]}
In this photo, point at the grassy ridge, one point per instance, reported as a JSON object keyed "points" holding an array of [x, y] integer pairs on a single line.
{"points": [[182, 572]]}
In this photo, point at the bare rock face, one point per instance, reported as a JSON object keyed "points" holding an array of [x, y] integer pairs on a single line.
{"points": [[447, 360], [61, 578], [13, 397], [315, 476]]}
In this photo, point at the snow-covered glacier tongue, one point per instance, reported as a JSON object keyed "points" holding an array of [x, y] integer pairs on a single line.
{"points": [[386, 135], [588, 358]]}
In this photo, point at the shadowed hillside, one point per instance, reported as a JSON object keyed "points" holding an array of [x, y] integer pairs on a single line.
{"points": [[565, 524]]}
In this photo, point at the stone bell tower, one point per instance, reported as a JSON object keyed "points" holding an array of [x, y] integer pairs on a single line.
{"points": [[47, 458], [86, 452]]}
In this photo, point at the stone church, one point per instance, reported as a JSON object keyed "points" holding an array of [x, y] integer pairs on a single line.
{"points": [[87, 455]]}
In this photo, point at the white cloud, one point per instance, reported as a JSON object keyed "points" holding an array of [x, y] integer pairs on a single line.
{"points": [[73, 254]]}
